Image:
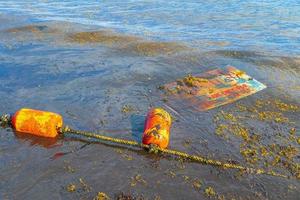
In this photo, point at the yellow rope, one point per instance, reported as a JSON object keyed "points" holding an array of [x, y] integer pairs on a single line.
{"points": [[5, 122], [195, 158]]}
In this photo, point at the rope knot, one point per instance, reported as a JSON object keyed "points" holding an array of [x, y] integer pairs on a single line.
{"points": [[64, 129]]}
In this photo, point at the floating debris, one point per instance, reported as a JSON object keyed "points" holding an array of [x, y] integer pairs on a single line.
{"points": [[191, 81], [127, 109], [213, 88], [170, 173], [124, 155], [186, 178], [197, 184], [187, 143], [84, 185], [272, 116], [277, 104], [280, 152], [157, 197], [71, 188], [285, 107], [180, 164], [137, 179], [210, 192], [123, 196], [69, 169], [157, 129], [291, 187], [101, 196]]}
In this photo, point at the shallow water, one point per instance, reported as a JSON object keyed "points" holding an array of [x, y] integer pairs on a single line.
{"points": [[87, 61]]}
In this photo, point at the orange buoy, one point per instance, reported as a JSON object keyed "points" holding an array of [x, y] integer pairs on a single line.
{"points": [[37, 122], [157, 128]]}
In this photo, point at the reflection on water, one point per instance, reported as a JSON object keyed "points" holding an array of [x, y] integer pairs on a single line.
{"points": [[89, 73], [35, 140]]}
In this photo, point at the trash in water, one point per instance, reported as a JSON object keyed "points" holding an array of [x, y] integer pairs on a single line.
{"points": [[157, 128], [37, 122], [213, 88]]}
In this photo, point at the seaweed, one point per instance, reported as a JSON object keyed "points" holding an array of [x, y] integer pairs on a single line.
{"points": [[101, 196], [124, 155], [280, 152], [127, 109], [71, 187], [137, 179], [192, 81], [186, 85], [123, 196], [103, 37], [197, 184], [210, 192], [126, 43], [69, 169], [153, 48]]}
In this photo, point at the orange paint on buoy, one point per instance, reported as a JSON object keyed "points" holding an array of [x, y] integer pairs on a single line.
{"points": [[157, 128], [37, 122]]}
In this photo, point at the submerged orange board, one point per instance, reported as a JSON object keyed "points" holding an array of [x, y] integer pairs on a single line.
{"points": [[213, 88]]}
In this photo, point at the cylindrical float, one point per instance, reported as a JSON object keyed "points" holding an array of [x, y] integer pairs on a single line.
{"points": [[37, 122], [157, 128]]}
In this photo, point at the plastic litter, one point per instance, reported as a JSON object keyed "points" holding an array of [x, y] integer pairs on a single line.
{"points": [[157, 128], [37, 122], [213, 88]]}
